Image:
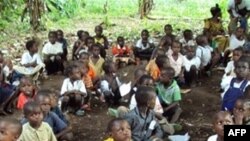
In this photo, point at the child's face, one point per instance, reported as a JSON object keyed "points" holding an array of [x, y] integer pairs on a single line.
{"points": [[168, 30], [148, 82], [144, 36], [120, 41], [113, 68], [188, 36], [121, 131], [241, 70], [76, 74], [190, 52], [35, 118], [239, 32], [26, 87], [34, 48], [222, 119], [90, 42], [238, 107], [98, 31], [96, 51], [52, 38], [53, 100], [84, 70], [236, 55], [45, 104], [204, 40], [7, 132], [176, 48], [164, 77], [84, 36], [151, 104], [59, 35], [84, 58]]}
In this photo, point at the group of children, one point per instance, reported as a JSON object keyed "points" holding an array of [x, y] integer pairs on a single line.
{"points": [[153, 107]]}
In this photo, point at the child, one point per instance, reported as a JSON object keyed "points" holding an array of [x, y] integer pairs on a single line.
{"points": [[73, 90], [191, 66], [176, 60], [59, 127], [219, 120], [238, 111], [237, 39], [168, 29], [31, 62], [144, 47], [35, 129], [90, 41], [160, 62], [142, 120], [102, 40], [118, 130], [79, 44], [110, 84], [169, 94], [10, 129], [52, 52], [84, 58], [27, 91], [235, 87], [63, 41], [96, 60], [187, 40]]}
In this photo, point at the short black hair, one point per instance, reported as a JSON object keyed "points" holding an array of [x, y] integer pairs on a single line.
{"points": [[144, 77], [53, 33], [245, 59], [120, 38], [215, 10], [143, 95], [30, 44], [185, 32], [79, 33], [41, 96], [169, 71], [168, 25], [160, 60], [29, 107], [199, 39], [15, 122], [112, 122], [240, 49], [83, 53], [99, 27], [106, 65], [70, 68], [145, 31], [89, 38], [60, 31], [177, 42]]}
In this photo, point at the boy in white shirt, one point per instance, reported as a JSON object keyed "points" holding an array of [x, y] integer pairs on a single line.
{"points": [[52, 52], [191, 66], [31, 63], [187, 40]]}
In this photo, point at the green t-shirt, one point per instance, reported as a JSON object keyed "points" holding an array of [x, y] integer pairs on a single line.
{"points": [[170, 94]]}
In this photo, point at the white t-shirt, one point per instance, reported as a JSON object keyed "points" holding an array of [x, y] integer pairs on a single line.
{"points": [[213, 138], [77, 85], [27, 58], [185, 43], [176, 64], [140, 45], [225, 84], [158, 108], [234, 42], [194, 61], [205, 54], [242, 5], [52, 48], [230, 67]]}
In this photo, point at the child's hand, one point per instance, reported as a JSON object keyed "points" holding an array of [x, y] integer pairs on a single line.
{"points": [[34, 64]]}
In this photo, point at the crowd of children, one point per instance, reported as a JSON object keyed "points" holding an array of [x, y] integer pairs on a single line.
{"points": [[153, 108]]}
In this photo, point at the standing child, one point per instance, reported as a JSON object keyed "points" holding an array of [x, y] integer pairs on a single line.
{"points": [[236, 87], [102, 40], [96, 60], [52, 52], [63, 41], [73, 90], [10, 129], [27, 92], [79, 44], [169, 94], [31, 62], [35, 129], [144, 47], [119, 130], [144, 125], [110, 84], [219, 120], [168, 29], [191, 66]]}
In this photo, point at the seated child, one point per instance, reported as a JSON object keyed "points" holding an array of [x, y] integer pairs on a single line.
{"points": [[59, 127], [191, 66], [144, 47], [7, 93], [187, 40], [219, 120], [168, 29], [27, 91], [73, 91], [90, 41], [119, 130], [169, 94], [79, 44], [31, 62], [110, 83], [143, 123], [35, 129], [10, 129], [102, 40], [176, 60], [63, 41], [84, 58], [235, 86], [96, 60], [52, 52]]}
